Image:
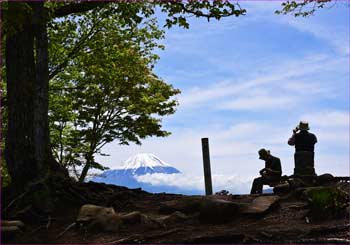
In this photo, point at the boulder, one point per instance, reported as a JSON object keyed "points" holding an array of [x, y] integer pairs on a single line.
{"points": [[132, 218], [325, 179], [185, 205], [97, 218], [261, 205], [211, 209], [296, 182], [137, 217], [214, 210], [281, 188]]}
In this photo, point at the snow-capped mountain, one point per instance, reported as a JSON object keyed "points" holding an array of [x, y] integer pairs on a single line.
{"points": [[141, 165], [146, 163]]}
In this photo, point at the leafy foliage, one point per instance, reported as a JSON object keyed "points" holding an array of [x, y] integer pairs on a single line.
{"points": [[216, 9], [108, 90], [326, 202], [13, 19], [303, 8]]}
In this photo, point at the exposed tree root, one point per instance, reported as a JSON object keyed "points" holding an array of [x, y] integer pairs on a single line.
{"points": [[65, 230]]}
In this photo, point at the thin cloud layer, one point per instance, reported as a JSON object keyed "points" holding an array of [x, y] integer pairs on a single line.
{"points": [[233, 184]]}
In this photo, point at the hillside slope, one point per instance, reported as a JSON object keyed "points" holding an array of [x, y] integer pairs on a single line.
{"points": [[286, 221]]}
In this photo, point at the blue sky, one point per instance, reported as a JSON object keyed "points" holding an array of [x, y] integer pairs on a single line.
{"points": [[246, 82]]}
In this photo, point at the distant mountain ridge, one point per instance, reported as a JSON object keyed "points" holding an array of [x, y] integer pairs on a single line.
{"points": [[138, 165]]}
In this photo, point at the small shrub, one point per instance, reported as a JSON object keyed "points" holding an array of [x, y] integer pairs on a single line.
{"points": [[326, 202]]}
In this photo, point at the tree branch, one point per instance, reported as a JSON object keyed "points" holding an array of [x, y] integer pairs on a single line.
{"points": [[74, 51], [199, 13]]}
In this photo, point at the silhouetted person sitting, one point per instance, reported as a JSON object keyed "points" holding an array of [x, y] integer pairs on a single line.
{"points": [[304, 143], [270, 174]]}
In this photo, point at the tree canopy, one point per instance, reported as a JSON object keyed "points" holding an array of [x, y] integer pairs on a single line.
{"points": [[107, 91]]}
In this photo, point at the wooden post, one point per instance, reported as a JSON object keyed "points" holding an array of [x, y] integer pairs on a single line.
{"points": [[206, 165]]}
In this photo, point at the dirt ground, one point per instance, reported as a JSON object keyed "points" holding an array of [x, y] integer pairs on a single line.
{"points": [[285, 222]]}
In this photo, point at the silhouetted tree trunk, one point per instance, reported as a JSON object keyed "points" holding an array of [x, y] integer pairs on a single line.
{"points": [[28, 155]]}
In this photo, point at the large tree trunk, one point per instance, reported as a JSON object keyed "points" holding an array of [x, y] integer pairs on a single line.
{"points": [[27, 152], [20, 143]]}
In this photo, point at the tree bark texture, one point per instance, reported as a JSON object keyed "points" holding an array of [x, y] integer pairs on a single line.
{"points": [[27, 150]]}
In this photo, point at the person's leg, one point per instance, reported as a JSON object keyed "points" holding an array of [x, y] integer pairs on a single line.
{"points": [[257, 186], [270, 180]]}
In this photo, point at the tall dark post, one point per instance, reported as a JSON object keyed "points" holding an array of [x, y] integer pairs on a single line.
{"points": [[206, 165]]}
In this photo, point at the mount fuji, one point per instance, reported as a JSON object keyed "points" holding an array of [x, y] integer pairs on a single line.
{"points": [[140, 165], [146, 163]]}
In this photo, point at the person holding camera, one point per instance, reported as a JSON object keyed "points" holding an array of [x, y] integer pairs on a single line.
{"points": [[270, 174], [304, 143]]}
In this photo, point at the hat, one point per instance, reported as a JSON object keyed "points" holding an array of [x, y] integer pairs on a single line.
{"points": [[263, 152], [303, 125]]}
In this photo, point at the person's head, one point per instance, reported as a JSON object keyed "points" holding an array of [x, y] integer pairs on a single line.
{"points": [[303, 126], [263, 154]]}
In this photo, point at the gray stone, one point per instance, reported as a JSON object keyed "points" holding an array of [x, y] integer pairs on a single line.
{"points": [[132, 218], [282, 188], [214, 210], [97, 218], [261, 205], [325, 179], [185, 205], [211, 209]]}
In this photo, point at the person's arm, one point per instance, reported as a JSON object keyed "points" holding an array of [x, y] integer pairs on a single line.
{"points": [[276, 167], [291, 140], [262, 171], [271, 171]]}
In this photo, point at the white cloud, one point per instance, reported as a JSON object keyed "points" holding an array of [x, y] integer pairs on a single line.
{"points": [[178, 180], [329, 119], [234, 184], [332, 30], [336, 36], [277, 88], [233, 149], [260, 102]]}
